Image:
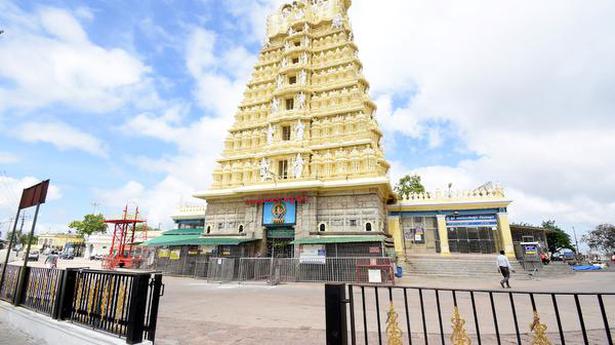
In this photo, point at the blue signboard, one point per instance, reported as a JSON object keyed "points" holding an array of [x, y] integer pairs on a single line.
{"points": [[478, 221], [279, 213]]}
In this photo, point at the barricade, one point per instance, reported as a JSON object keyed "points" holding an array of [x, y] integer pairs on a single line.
{"points": [[351, 270], [120, 303]]}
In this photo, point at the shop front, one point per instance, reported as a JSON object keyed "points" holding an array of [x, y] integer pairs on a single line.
{"points": [[473, 234], [473, 222]]}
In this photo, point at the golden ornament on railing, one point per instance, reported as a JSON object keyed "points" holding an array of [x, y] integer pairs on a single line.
{"points": [[459, 336], [393, 330], [79, 292], [92, 292], [539, 330], [52, 288], [105, 297]]}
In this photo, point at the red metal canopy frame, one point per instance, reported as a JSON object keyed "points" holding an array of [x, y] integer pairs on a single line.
{"points": [[121, 251]]}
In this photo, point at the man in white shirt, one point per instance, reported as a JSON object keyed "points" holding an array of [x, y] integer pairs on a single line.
{"points": [[504, 267]]}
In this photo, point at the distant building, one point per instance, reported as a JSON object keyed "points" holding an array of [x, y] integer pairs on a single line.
{"points": [[59, 241]]}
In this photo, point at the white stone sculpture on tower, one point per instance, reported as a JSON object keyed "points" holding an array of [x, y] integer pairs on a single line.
{"points": [[269, 135], [275, 105], [279, 81], [299, 130], [298, 166], [301, 101], [264, 169], [303, 59], [302, 77], [337, 21]]}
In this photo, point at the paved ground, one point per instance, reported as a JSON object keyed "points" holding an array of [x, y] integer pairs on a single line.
{"points": [[193, 312], [11, 336]]}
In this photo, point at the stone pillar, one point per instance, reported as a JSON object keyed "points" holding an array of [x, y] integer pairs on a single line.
{"points": [[507, 240], [395, 232], [443, 234]]}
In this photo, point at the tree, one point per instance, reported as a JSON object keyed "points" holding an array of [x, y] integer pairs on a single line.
{"points": [[602, 238], [91, 224], [557, 238], [409, 184], [22, 238]]}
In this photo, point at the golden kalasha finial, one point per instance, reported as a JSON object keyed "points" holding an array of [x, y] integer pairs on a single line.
{"points": [[539, 330], [393, 330], [459, 336]]}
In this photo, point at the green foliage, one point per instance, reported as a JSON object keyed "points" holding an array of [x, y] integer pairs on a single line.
{"points": [[91, 224], [557, 238], [409, 184], [22, 238], [602, 238]]}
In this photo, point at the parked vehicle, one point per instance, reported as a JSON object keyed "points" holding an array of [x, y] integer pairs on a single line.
{"points": [[33, 256], [67, 256]]}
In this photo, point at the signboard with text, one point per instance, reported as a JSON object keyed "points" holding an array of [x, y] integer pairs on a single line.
{"points": [[476, 221]]}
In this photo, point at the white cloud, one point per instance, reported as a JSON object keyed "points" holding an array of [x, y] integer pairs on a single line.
{"points": [[527, 86], [60, 135], [48, 57], [11, 188], [219, 81]]}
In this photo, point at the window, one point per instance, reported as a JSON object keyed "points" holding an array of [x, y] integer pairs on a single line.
{"points": [[286, 133], [240, 229], [283, 169], [220, 225], [290, 104], [322, 227], [208, 229], [368, 227], [297, 43], [292, 80], [352, 222], [295, 60]]}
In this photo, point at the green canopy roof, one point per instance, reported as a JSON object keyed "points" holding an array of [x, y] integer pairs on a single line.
{"points": [[194, 240], [186, 231], [338, 239]]}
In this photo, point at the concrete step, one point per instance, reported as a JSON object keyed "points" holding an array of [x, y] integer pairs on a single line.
{"points": [[472, 266]]}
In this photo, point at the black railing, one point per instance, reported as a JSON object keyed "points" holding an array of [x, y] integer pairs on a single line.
{"points": [[9, 286], [42, 289], [367, 314], [124, 304]]}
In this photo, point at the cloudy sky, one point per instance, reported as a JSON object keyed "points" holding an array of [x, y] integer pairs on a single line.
{"points": [[129, 101]]}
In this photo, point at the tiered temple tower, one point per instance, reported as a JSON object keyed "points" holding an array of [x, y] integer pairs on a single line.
{"points": [[305, 138]]}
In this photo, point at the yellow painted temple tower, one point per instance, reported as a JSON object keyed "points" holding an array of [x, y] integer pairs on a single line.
{"points": [[303, 162]]}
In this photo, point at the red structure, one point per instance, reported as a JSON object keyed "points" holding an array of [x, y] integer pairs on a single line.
{"points": [[121, 253]]}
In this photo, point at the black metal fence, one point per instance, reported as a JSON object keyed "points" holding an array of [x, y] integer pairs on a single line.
{"points": [[42, 289], [9, 286], [367, 314], [124, 304]]}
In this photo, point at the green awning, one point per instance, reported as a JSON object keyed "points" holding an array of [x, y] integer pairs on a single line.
{"points": [[167, 240], [195, 240], [186, 231], [338, 239]]}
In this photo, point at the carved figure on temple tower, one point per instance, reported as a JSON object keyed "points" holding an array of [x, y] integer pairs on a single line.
{"points": [[299, 130], [264, 169], [301, 101], [298, 166], [269, 135]]}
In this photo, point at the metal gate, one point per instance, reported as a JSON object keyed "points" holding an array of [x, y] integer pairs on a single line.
{"points": [[367, 314], [221, 269]]}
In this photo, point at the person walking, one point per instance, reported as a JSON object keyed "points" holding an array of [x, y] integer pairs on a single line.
{"points": [[504, 267]]}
